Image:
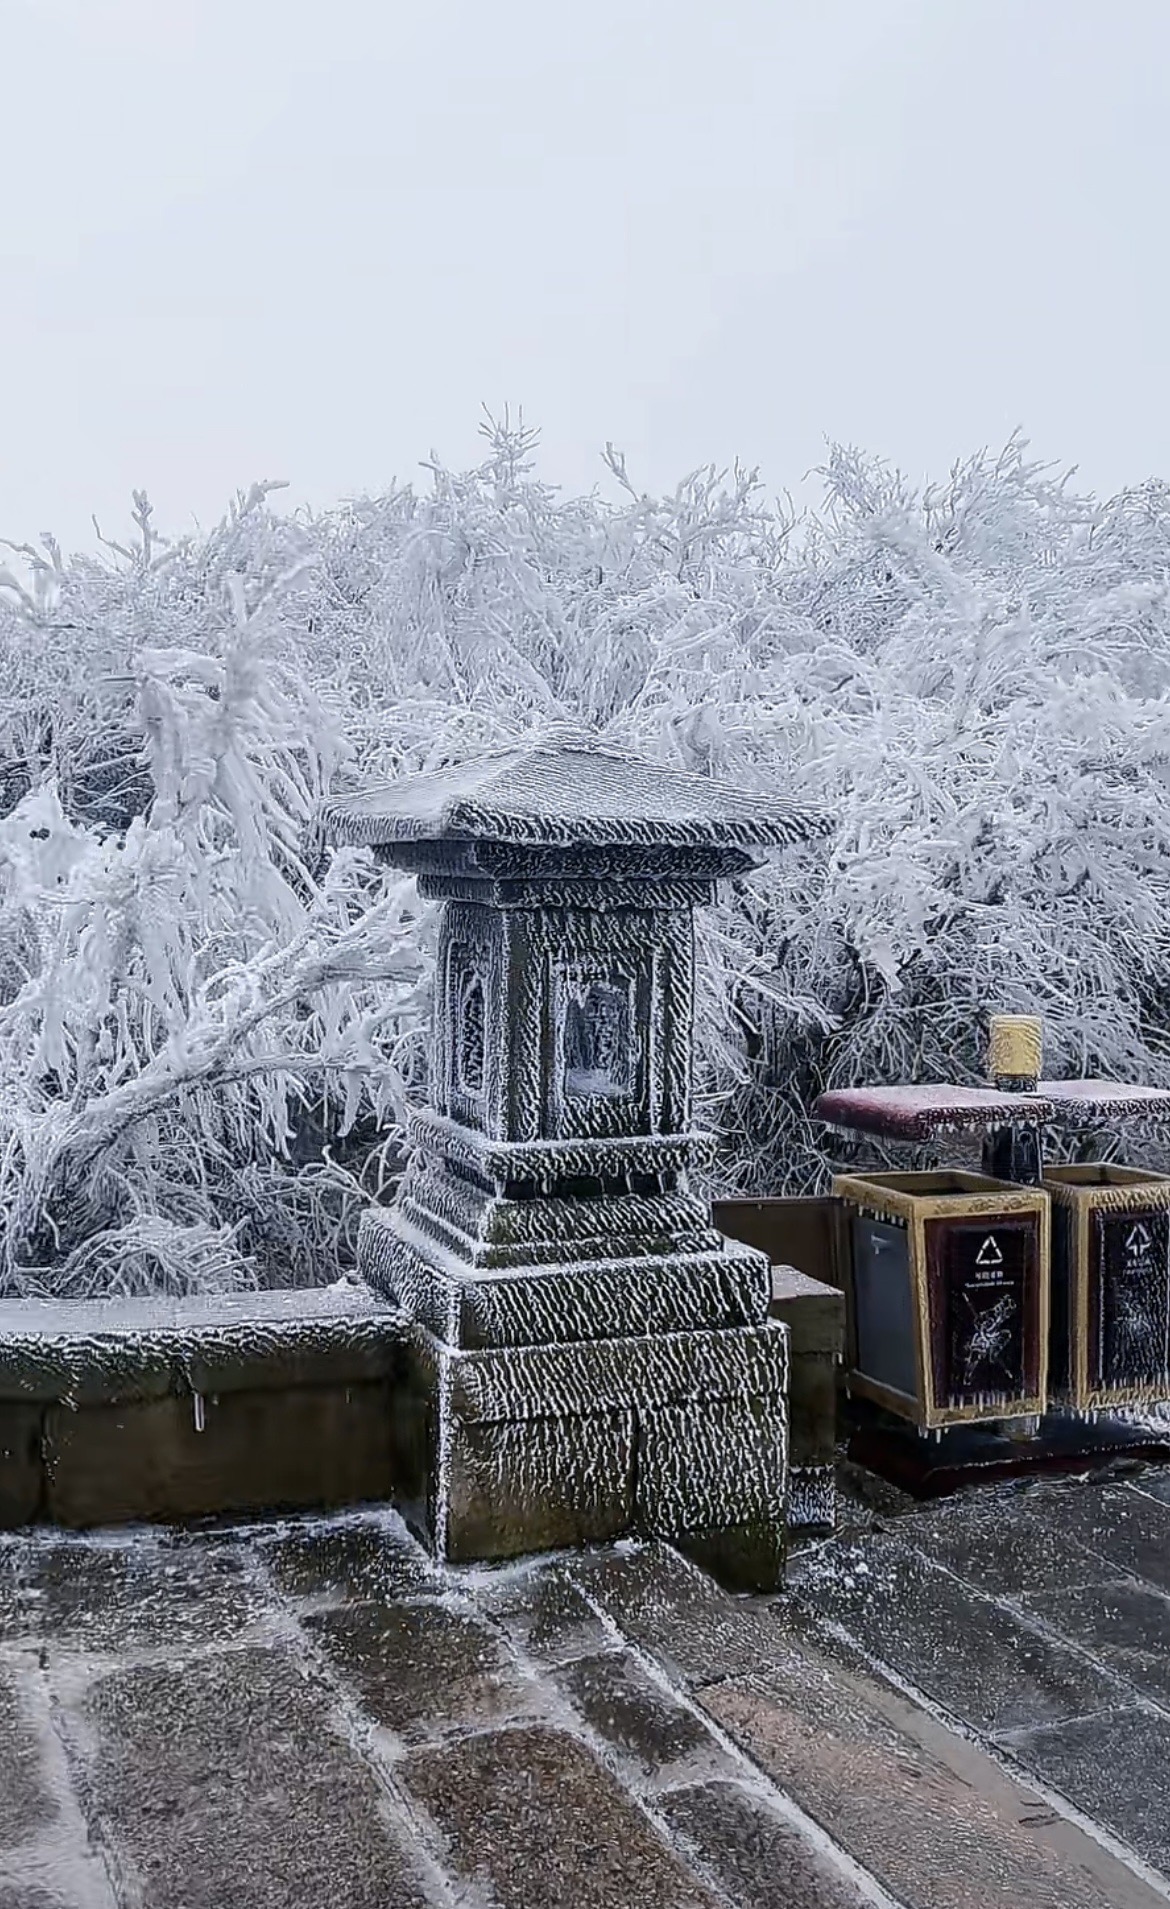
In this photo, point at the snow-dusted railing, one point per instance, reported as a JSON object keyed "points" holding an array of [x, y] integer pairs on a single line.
{"points": [[147, 1409]]}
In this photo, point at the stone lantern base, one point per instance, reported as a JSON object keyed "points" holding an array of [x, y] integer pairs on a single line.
{"points": [[513, 1448]]}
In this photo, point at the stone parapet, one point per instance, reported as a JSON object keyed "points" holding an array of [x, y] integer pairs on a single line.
{"points": [[113, 1412]]}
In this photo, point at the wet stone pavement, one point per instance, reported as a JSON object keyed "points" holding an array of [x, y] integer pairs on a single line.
{"points": [[965, 1707]]}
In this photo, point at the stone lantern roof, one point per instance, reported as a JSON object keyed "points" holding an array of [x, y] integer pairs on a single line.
{"points": [[551, 793]]}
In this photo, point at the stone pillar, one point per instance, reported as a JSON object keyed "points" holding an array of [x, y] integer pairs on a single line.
{"points": [[591, 1357]]}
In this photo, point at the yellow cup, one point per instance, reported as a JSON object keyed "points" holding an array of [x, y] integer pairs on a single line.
{"points": [[1015, 1047]]}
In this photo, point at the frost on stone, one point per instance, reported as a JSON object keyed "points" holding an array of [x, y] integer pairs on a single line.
{"points": [[472, 1037], [99, 1350], [587, 1354], [812, 1498]]}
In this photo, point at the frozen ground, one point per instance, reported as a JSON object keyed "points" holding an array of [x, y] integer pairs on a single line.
{"points": [[307, 1716]]}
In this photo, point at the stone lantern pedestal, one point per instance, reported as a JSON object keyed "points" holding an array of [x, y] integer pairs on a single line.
{"points": [[590, 1356]]}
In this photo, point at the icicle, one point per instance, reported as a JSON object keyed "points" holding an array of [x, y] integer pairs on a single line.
{"points": [[200, 1417]]}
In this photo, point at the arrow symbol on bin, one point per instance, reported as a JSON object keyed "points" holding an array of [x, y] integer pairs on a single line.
{"points": [[1137, 1240], [989, 1253]]}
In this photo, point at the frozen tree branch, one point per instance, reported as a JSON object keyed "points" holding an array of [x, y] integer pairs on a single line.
{"points": [[210, 1024]]}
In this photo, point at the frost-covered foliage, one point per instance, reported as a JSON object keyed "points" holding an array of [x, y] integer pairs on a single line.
{"points": [[209, 1025]]}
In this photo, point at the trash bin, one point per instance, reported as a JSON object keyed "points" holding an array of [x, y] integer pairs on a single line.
{"points": [[1110, 1333], [947, 1295]]}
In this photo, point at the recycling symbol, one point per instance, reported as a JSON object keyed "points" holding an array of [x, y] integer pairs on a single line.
{"points": [[989, 1253], [1137, 1241]]}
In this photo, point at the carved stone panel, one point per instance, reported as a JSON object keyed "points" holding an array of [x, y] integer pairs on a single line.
{"points": [[468, 1047], [596, 1077]]}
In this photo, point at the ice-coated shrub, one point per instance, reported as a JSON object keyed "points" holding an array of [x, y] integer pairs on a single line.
{"points": [[210, 1025]]}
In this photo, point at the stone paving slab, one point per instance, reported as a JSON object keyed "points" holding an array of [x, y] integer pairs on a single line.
{"points": [[364, 1557], [423, 1668], [1154, 1485], [1128, 1528], [12, 1617], [671, 1609], [135, 1594], [1125, 1626], [638, 1719], [26, 1802], [544, 1825], [44, 1852], [971, 1655], [216, 1782], [755, 1858], [545, 1614], [940, 1594], [1115, 1769], [1011, 1551]]}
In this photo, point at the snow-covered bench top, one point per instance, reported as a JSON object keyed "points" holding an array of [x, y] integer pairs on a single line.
{"points": [[1079, 1101], [920, 1112], [79, 1352]]}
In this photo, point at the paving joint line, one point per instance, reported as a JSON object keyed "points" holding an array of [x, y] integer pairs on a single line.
{"points": [[361, 1734], [782, 1804]]}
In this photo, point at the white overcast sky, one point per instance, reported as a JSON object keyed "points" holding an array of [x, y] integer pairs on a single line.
{"points": [[309, 239]]}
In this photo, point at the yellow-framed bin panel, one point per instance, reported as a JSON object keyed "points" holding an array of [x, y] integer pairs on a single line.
{"points": [[1110, 1336], [963, 1302]]}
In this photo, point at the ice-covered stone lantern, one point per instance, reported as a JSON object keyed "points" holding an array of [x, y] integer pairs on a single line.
{"points": [[590, 1355]]}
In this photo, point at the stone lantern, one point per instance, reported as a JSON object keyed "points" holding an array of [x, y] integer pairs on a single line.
{"points": [[589, 1355]]}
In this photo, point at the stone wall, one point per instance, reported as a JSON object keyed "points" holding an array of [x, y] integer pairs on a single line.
{"points": [[179, 1409]]}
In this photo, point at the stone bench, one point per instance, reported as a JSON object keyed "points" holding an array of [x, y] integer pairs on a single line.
{"points": [[171, 1409]]}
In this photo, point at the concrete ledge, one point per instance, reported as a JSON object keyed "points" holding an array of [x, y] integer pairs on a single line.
{"points": [[154, 1409]]}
